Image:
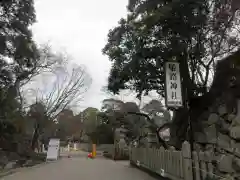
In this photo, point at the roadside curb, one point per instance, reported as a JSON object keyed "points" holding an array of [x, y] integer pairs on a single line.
{"points": [[3, 174], [15, 170]]}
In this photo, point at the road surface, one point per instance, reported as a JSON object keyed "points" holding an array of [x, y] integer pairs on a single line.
{"points": [[81, 168]]}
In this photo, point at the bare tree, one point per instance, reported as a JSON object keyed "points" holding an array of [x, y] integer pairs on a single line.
{"points": [[64, 89], [48, 62], [67, 91]]}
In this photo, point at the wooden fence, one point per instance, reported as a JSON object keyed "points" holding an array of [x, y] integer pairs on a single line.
{"points": [[176, 165], [121, 153]]}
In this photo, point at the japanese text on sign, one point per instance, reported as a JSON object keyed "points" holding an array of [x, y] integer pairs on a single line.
{"points": [[173, 85]]}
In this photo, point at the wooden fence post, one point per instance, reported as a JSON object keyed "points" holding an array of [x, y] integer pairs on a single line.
{"points": [[203, 165], [209, 156], [196, 166], [187, 161]]}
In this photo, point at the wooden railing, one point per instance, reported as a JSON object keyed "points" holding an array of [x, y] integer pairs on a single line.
{"points": [[173, 164]]}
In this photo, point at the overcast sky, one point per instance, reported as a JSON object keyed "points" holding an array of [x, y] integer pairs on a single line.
{"points": [[81, 28]]}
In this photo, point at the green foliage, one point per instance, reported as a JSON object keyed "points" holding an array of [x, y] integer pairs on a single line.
{"points": [[16, 43], [37, 113], [90, 120], [68, 125], [194, 32], [157, 112], [102, 134], [18, 52], [105, 134], [18, 56], [7, 131], [115, 118]]}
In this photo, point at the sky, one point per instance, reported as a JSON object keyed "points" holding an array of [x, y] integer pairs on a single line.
{"points": [[80, 27]]}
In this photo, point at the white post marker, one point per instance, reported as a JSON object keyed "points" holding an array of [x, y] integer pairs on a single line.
{"points": [[75, 146], [173, 85], [53, 149], [68, 148]]}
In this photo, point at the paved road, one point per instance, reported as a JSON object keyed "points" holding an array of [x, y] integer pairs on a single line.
{"points": [[81, 168]]}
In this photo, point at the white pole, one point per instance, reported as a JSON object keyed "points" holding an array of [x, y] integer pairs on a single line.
{"points": [[43, 148], [68, 147]]}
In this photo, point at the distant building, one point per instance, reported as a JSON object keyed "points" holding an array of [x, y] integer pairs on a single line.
{"points": [[112, 104]]}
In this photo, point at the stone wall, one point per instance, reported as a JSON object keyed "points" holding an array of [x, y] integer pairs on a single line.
{"points": [[217, 128]]}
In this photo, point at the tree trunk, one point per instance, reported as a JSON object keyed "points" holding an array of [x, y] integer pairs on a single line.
{"points": [[35, 137]]}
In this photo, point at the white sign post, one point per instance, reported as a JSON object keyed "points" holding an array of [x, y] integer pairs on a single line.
{"points": [[53, 149], [173, 85]]}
